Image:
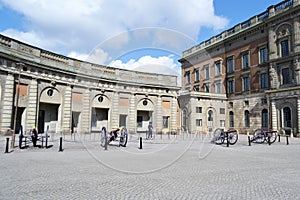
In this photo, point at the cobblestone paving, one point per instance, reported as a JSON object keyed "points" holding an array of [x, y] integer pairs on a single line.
{"points": [[166, 168]]}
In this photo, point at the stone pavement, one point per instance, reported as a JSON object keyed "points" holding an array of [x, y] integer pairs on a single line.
{"points": [[166, 168]]}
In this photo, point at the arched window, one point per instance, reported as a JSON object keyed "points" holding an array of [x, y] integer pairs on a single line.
{"points": [[247, 118], [287, 117], [264, 118], [231, 119]]}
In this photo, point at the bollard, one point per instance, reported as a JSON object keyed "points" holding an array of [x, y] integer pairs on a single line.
{"points": [[269, 140], [141, 143], [249, 141], [60, 144], [287, 140], [278, 138], [6, 148], [46, 141]]}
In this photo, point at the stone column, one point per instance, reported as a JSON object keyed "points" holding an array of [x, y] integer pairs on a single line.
{"points": [[115, 111], [67, 109], [132, 114], [32, 105], [159, 117], [86, 111], [7, 103], [173, 120], [274, 121]]}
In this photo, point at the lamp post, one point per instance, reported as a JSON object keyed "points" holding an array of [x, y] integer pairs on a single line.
{"points": [[16, 106]]}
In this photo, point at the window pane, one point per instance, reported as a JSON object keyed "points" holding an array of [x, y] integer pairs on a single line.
{"points": [[206, 69], [245, 60], [230, 64], [197, 75], [246, 83], [284, 48], [264, 118], [231, 119], [263, 80], [263, 55], [188, 77], [217, 68], [285, 76]]}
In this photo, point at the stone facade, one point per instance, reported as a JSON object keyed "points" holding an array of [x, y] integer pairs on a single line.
{"points": [[255, 66], [61, 94]]}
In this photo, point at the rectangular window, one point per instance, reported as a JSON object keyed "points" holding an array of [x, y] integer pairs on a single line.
{"points": [[218, 88], [196, 88], [198, 122], [264, 101], [222, 110], [197, 75], [284, 48], [222, 123], [198, 109], [188, 77], [165, 121], [206, 87], [246, 83], [206, 71], [286, 76], [230, 64], [262, 55], [217, 68], [230, 85], [263, 80], [245, 58], [264, 118]]}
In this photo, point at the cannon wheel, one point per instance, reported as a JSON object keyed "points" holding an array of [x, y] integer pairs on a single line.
{"points": [[103, 139], [123, 137]]}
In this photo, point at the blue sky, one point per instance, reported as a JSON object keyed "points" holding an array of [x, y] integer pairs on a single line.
{"points": [[132, 35]]}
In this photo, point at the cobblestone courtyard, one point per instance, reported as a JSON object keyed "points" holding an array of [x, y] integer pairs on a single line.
{"points": [[166, 168]]}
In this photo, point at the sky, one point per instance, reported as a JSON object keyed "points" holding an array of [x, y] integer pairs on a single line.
{"points": [[143, 35]]}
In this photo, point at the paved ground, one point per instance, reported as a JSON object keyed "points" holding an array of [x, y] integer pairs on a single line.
{"points": [[166, 168]]}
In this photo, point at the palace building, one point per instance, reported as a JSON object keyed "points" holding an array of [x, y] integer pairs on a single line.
{"points": [[60, 94], [246, 77]]}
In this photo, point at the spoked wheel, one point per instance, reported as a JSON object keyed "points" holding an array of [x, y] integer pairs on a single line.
{"points": [[123, 137], [218, 136], [258, 136], [233, 138], [273, 136], [103, 139]]}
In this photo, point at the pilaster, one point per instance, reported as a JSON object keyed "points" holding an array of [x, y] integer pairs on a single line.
{"points": [[7, 104], [132, 114], [86, 112], [159, 118], [273, 115], [115, 111], [173, 119], [32, 105], [298, 116], [66, 119]]}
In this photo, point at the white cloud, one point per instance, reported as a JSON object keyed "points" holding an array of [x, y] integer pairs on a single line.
{"points": [[162, 64], [76, 25]]}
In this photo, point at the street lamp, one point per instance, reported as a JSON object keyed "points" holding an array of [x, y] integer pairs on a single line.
{"points": [[20, 66]]}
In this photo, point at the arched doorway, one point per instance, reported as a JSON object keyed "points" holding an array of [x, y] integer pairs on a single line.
{"points": [[101, 105], [49, 110], [145, 109]]}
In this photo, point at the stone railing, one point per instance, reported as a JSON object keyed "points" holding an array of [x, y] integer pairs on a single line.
{"points": [[272, 11]]}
